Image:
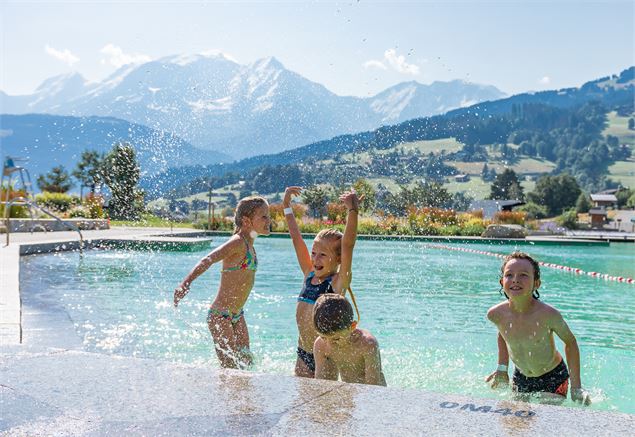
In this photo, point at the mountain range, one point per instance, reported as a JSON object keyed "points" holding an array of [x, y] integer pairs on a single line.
{"points": [[215, 103], [51, 140]]}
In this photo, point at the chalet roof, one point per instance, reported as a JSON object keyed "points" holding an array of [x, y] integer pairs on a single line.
{"points": [[603, 198]]}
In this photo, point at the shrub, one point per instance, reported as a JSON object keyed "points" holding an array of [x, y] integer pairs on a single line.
{"points": [[78, 211], [451, 230], [569, 219], [277, 211], [533, 210], [336, 212], [17, 211], [510, 217], [57, 202], [94, 206]]}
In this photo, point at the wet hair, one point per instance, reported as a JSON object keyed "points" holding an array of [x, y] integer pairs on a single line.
{"points": [[521, 255], [331, 235], [332, 313], [247, 208]]}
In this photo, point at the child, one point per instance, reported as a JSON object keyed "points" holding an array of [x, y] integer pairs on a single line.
{"points": [[525, 333], [225, 316], [320, 268], [341, 347]]}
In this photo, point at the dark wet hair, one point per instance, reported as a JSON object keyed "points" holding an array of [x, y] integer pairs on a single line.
{"points": [[521, 255], [246, 208], [332, 313]]}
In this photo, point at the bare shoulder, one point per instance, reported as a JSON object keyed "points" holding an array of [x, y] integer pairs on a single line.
{"points": [[546, 310], [497, 311], [320, 346], [548, 313], [365, 340]]}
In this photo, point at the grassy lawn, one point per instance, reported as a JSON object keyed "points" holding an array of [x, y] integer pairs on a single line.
{"points": [[624, 172], [618, 127], [478, 189], [434, 146], [533, 165]]}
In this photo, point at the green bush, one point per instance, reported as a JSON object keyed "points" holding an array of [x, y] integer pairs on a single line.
{"points": [[472, 229], [533, 210], [78, 212], [568, 220], [57, 202], [451, 230]]}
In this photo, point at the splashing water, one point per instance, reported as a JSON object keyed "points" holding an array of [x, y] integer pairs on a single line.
{"points": [[426, 307]]}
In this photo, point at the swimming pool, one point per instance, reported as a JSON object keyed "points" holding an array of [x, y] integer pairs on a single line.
{"points": [[426, 307]]}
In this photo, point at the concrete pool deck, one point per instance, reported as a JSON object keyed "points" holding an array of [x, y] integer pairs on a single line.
{"points": [[49, 385]]}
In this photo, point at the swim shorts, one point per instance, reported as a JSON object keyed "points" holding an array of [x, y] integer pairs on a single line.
{"points": [[555, 381]]}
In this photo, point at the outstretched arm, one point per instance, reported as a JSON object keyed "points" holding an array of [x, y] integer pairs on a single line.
{"points": [[221, 252], [301, 251], [348, 240]]}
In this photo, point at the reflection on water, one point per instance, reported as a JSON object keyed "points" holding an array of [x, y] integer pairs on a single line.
{"points": [[425, 306]]}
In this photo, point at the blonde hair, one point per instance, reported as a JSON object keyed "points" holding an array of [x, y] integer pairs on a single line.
{"points": [[331, 235], [247, 208]]}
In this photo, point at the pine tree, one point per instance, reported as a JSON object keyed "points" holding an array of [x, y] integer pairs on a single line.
{"points": [[122, 176]]}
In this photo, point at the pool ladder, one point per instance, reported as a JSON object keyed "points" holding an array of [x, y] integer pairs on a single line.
{"points": [[28, 200]]}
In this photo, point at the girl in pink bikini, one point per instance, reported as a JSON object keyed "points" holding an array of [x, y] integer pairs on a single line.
{"points": [[225, 317]]}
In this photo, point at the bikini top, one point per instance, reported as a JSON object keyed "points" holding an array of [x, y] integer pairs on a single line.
{"points": [[311, 292], [249, 261]]}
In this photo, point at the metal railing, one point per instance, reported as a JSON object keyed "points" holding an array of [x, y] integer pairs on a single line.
{"points": [[19, 201]]}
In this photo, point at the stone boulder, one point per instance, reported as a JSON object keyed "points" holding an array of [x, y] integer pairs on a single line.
{"points": [[505, 231]]}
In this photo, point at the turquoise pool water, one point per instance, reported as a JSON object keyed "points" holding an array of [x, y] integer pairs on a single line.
{"points": [[426, 307]]}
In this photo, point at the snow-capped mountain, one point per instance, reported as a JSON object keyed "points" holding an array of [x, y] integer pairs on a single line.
{"points": [[242, 110]]}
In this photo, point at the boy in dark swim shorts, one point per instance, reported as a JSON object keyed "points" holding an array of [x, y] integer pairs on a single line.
{"points": [[525, 334]]}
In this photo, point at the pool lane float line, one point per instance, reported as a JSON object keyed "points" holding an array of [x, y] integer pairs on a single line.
{"points": [[574, 270]]}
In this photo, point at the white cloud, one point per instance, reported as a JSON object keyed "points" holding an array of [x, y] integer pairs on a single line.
{"points": [[396, 62], [374, 64], [65, 55], [545, 80], [117, 58]]}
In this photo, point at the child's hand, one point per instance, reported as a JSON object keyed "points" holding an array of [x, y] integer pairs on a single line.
{"points": [[497, 378], [179, 293], [580, 395], [350, 200], [288, 193]]}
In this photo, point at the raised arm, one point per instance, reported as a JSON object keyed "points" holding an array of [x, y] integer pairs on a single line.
{"points": [[324, 367], [348, 240], [301, 251], [218, 254], [572, 352]]}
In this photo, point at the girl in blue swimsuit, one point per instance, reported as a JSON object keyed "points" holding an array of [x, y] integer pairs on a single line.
{"points": [[331, 249], [225, 317]]}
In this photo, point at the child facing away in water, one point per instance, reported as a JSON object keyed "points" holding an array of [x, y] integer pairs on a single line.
{"points": [[326, 269], [225, 317], [342, 349], [525, 333]]}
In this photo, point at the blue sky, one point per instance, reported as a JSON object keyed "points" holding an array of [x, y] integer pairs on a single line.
{"points": [[352, 47]]}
